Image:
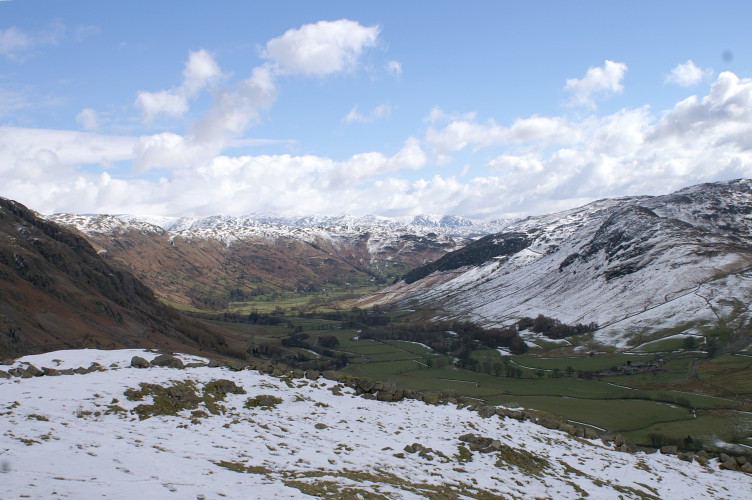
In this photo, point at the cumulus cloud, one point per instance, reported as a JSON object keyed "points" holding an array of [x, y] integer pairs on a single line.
{"points": [[88, 119], [598, 82], [321, 48], [377, 113], [688, 74], [200, 71], [466, 131]]}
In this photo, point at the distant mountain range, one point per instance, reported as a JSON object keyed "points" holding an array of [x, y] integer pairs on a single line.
{"points": [[633, 265], [207, 262]]}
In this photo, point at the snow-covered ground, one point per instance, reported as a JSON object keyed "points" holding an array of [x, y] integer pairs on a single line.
{"points": [[64, 437]]}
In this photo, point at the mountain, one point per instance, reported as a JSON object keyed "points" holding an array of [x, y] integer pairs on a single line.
{"points": [[57, 292], [208, 262], [632, 265], [204, 432]]}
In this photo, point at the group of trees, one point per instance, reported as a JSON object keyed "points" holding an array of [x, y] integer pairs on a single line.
{"points": [[553, 328]]}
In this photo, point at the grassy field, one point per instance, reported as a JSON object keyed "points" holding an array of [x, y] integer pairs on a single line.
{"points": [[688, 395]]}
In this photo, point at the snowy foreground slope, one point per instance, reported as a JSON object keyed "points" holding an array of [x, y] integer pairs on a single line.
{"points": [[78, 436]]}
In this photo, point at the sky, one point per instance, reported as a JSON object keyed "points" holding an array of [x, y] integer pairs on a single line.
{"points": [[481, 108]]}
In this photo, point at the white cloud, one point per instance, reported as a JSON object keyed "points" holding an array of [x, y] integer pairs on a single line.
{"points": [[394, 68], [377, 113], [598, 82], [200, 71], [688, 74], [17, 44], [321, 48], [88, 119]]}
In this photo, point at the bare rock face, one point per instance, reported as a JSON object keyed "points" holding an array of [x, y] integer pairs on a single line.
{"points": [[139, 362]]}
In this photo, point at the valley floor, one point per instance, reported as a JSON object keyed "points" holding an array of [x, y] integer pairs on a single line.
{"points": [[81, 436]]}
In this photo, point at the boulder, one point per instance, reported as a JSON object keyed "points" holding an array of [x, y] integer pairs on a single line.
{"points": [[486, 411], [33, 371], [168, 361], [215, 363], [4, 374], [67, 371], [195, 364], [730, 464], [81, 370], [431, 399], [687, 457], [669, 450], [139, 362], [747, 467], [312, 375], [590, 433], [16, 372], [568, 428], [223, 386], [298, 373], [741, 460], [722, 457], [618, 440], [50, 372]]}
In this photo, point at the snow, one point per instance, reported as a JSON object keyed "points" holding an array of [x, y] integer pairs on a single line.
{"points": [[55, 444]]}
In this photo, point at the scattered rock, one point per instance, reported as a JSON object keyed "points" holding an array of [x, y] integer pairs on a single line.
{"points": [[33, 371], [669, 450], [139, 362], [486, 411], [168, 361], [730, 464]]}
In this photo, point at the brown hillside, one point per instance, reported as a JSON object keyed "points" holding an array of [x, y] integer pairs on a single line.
{"points": [[57, 292]]}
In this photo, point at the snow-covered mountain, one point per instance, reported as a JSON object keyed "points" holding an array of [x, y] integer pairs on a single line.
{"points": [[110, 430], [206, 262], [632, 265]]}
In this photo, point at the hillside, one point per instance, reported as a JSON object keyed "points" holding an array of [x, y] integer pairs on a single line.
{"points": [[631, 265], [209, 262], [57, 292], [208, 432]]}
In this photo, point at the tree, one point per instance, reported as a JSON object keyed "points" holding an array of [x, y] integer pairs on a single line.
{"points": [[540, 373]]}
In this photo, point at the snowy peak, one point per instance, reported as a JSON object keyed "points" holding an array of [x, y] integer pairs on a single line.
{"points": [[630, 264]]}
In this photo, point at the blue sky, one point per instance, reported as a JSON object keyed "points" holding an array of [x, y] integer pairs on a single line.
{"points": [[483, 109]]}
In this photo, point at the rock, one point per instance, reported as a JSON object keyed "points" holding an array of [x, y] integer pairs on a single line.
{"points": [[741, 460], [4, 374], [298, 373], [235, 365], [365, 384], [590, 433], [580, 432], [730, 464], [16, 372], [96, 367], [312, 374], [747, 467], [50, 372], [618, 440], [320, 426], [33, 371], [139, 362], [214, 363], [368, 395], [67, 371], [669, 450], [81, 370], [703, 454], [7, 361], [607, 437], [409, 448], [486, 411], [195, 364], [722, 457], [165, 360], [687, 457], [568, 428]]}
